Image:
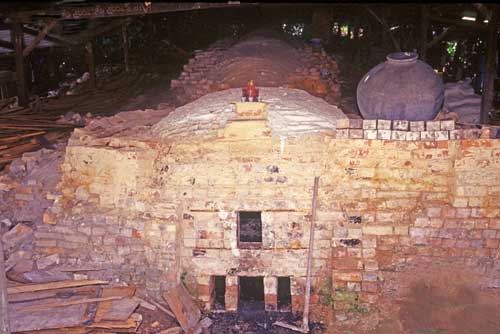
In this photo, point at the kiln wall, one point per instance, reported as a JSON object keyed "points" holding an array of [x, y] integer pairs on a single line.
{"points": [[166, 211]]}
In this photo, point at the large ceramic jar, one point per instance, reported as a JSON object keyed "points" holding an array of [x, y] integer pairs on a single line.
{"points": [[401, 88]]}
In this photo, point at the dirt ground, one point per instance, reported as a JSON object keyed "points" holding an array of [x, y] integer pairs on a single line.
{"points": [[432, 299]]}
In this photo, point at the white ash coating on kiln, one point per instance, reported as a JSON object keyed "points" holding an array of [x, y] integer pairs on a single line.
{"points": [[290, 112]]}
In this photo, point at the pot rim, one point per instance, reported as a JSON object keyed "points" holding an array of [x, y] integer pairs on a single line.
{"points": [[402, 57]]}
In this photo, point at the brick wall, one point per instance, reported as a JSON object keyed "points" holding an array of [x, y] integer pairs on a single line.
{"points": [[166, 210]]}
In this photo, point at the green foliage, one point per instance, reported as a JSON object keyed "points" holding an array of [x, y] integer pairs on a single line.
{"points": [[451, 48]]}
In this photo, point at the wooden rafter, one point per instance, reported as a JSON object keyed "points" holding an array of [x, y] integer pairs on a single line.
{"points": [[6, 44], [107, 10], [41, 35], [49, 37]]}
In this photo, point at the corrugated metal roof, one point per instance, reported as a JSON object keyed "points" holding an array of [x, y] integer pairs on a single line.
{"points": [[5, 35]]}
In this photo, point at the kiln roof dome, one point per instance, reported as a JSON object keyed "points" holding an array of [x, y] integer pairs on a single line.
{"points": [[290, 112]]}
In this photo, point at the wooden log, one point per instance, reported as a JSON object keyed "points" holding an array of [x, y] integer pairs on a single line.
{"points": [[53, 285], [4, 316]]}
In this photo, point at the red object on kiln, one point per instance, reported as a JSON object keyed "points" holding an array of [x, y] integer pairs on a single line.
{"points": [[250, 93]]}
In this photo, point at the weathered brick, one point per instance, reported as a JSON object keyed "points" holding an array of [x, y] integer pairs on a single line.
{"points": [[383, 124], [377, 230], [369, 124]]}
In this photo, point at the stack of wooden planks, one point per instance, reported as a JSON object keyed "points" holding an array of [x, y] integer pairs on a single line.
{"points": [[73, 306], [23, 131], [31, 128]]}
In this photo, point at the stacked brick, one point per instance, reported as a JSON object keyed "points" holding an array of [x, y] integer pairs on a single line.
{"points": [[153, 210], [27, 185], [410, 130], [317, 74], [192, 82], [168, 209]]}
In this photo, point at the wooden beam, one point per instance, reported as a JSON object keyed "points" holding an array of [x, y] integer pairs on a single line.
{"points": [[460, 23], [440, 37], [41, 35], [43, 307], [125, 47], [386, 28], [89, 50], [49, 37], [52, 285], [100, 30], [4, 315], [7, 45], [491, 68], [137, 8], [18, 39]]}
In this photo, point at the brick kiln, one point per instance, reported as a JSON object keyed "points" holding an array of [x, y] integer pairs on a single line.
{"points": [[221, 201]]}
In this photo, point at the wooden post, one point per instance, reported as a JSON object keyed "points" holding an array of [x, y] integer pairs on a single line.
{"points": [[91, 62], [4, 315], [305, 319], [125, 47], [424, 27], [491, 68], [18, 39], [321, 25]]}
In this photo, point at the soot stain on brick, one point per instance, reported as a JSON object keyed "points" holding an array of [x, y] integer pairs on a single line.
{"points": [[350, 171], [273, 169], [354, 219], [199, 252], [350, 242], [268, 179]]}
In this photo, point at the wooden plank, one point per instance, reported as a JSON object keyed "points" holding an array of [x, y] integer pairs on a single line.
{"points": [[63, 304], [120, 309], [4, 316], [180, 302], [59, 317], [105, 308], [160, 307], [62, 293], [53, 285]]}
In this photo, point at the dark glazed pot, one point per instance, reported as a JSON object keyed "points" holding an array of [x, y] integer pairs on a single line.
{"points": [[401, 88]]}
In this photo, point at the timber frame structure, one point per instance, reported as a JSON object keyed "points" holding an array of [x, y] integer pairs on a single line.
{"points": [[40, 20]]}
